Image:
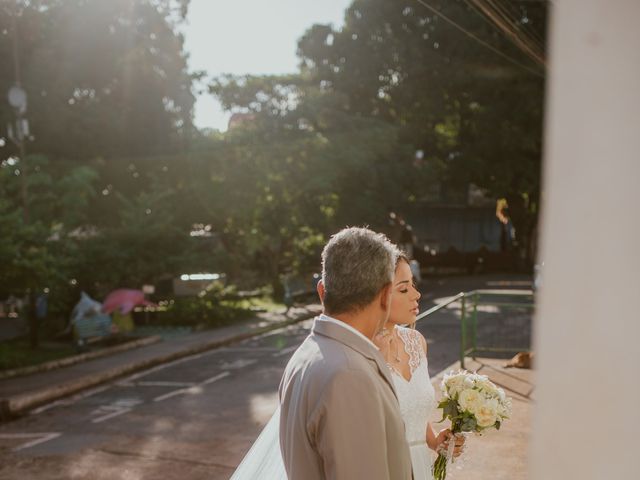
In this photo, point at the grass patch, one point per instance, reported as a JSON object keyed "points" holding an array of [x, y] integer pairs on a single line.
{"points": [[17, 353]]}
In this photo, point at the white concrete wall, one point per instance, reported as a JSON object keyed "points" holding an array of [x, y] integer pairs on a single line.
{"points": [[587, 418]]}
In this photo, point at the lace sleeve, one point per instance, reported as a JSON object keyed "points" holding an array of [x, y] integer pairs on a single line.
{"points": [[413, 346]]}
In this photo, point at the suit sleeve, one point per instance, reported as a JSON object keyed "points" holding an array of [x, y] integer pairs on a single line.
{"points": [[349, 429]]}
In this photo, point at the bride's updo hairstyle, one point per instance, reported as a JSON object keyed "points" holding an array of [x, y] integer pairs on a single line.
{"points": [[356, 264]]}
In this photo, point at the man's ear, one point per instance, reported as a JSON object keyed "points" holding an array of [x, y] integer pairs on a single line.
{"points": [[320, 290], [385, 297]]}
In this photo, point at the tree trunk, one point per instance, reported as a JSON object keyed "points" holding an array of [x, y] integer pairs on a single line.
{"points": [[33, 321]]}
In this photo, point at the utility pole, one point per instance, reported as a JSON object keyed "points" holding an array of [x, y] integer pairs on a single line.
{"points": [[19, 130]]}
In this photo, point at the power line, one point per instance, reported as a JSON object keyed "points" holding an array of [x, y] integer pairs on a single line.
{"points": [[502, 19], [508, 6], [527, 34], [481, 42], [487, 21]]}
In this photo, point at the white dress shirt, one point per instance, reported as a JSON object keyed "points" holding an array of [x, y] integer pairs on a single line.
{"points": [[327, 318]]}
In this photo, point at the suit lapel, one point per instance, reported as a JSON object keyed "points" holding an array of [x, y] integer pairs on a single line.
{"points": [[355, 342]]}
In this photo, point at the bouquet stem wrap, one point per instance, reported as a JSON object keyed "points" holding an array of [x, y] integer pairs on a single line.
{"points": [[440, 465]]}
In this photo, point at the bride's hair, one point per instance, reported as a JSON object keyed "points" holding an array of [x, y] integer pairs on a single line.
{"points": [[403, 257]]}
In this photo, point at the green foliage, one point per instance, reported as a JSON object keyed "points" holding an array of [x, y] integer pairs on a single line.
{"points": [[344, 132], [449, 409], [209, 310], [302, 167], [29, 255], [104, 79], [461, 421], [476, 116], [143, 245], [119, 185], [468, 423]]}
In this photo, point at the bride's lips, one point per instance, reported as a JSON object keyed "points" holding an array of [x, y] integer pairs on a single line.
{"points": [[415, 311]]}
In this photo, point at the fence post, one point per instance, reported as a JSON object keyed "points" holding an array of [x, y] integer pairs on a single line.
{"points": [[463, 336], [474, 332]]}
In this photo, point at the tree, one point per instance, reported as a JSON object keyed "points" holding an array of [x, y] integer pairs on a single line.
{"points": [[106, 82], [32, 255], [303, 167], [476, 117], [104, 79]]}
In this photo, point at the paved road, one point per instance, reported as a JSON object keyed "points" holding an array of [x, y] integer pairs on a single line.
{"points": [[190, 419], [195, 415]]}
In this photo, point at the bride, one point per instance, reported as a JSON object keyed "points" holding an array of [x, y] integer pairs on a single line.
{"points": [[404, 350]]}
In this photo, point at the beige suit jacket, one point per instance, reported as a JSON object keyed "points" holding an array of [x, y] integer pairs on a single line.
{"points": [[339, 416]]}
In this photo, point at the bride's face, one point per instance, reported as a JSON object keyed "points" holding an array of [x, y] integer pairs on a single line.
{"points": [[404, 300]]}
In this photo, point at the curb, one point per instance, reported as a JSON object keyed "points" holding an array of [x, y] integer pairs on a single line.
{"points": [[83, 357], [21, 404]]}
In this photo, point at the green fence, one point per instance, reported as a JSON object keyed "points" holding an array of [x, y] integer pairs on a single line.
{"points": [[491, 321]]}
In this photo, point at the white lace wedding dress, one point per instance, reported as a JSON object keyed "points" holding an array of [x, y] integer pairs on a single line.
{"points": [[417, 400], [416, 397]]}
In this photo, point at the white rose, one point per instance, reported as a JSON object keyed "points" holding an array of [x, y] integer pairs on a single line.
{"points": [[470, 381], [504, 408], [453, 384], [470, 400], [487, 414], [484, 384]]}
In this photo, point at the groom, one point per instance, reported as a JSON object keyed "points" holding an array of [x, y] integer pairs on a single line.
{"points": [[339, 414]]}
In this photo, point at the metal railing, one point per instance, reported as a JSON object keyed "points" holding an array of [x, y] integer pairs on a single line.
{"points": [[469, 303]]}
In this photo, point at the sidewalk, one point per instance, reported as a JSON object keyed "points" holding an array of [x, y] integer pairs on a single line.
{"points": [[21, 394], [498, 455]]}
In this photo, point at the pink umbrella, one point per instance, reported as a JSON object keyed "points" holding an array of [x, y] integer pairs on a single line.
{"points": [[124, 300]]}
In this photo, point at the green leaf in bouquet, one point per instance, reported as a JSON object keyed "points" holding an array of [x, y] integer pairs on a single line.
{"points": [[469, 424], [443, 405], [450, 410]]}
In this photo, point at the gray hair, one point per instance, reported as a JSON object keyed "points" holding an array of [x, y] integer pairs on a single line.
{"points": [[356, 264]]}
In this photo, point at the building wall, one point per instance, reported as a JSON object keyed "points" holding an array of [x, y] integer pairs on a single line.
{"points": [[467, 229], [587, 418]]}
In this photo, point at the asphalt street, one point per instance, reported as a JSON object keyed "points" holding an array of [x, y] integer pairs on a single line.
{"points": [[194, 417]]}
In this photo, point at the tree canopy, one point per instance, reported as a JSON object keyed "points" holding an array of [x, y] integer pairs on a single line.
{"points": [[123, 190], [103, 79], [464, 103]]}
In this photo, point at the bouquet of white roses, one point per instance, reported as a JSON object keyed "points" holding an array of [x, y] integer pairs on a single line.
{"points": [[473, 403]]}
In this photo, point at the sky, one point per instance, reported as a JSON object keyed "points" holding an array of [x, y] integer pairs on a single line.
{"points": [[249, 37]]}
